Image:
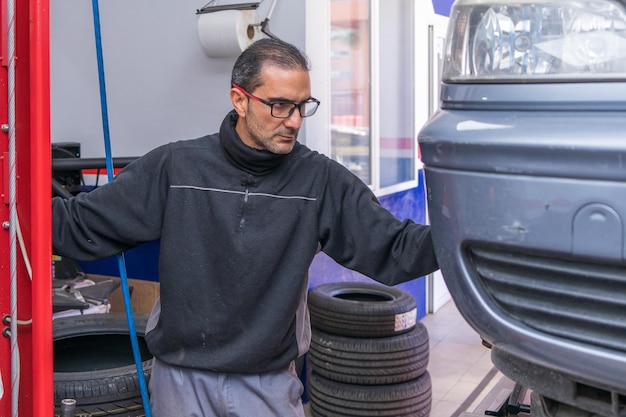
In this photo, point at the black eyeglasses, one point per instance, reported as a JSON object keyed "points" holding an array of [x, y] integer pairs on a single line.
{"points": [[284, 109]]}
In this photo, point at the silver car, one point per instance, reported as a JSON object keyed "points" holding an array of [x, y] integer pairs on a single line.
{"points": [[525, 167]]}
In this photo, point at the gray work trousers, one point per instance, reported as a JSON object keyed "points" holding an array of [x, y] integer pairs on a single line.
{"points": [[184, 392]]}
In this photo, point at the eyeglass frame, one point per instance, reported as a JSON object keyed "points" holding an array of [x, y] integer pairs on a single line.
{"points": [[272, 103]]}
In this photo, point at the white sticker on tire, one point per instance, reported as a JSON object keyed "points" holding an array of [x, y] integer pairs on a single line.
{"points": [[406, 320]]}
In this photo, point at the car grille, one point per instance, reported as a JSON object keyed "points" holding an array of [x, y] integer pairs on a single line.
{"points": [[568, 298]]}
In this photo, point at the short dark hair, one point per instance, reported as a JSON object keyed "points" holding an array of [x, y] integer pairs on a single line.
{"points": [[267, 51]]}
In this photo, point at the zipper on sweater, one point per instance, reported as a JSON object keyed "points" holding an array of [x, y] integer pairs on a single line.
{"points": [[247, 182], [242, 221]]}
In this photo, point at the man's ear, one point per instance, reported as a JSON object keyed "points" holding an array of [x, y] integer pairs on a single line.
{"points": [[240, 102]]}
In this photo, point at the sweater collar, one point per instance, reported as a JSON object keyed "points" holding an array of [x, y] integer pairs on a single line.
{"points": [[252, 161]]}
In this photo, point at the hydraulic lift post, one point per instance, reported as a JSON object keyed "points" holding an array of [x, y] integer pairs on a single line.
{"points": [[30, 380]]}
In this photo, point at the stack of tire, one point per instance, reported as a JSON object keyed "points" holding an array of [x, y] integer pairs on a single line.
{"points": [[368, 354]]}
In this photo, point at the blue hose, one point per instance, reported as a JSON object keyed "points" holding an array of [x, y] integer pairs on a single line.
{"points": [[110, 174]]}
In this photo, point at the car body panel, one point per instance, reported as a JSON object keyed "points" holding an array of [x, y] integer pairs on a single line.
{"points": [[527, 200]]}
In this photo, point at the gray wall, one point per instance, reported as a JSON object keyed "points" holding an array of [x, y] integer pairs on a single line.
{"points": [[160, 85]]}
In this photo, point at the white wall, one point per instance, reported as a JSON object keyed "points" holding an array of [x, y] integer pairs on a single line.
{"points": [[160, 85], [432, 28]]}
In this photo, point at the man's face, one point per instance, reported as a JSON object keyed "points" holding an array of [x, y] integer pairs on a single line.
{"points": [[256, 125]]}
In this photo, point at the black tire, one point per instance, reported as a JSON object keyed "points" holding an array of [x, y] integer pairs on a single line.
{"points": [[378, 361], [335, 399], [93, 364], [362, 309]]}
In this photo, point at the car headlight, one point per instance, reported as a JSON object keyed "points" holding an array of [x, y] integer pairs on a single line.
{"points": [[526, 41]]}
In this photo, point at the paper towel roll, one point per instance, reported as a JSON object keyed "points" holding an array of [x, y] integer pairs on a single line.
{"points": [[226, 33]]}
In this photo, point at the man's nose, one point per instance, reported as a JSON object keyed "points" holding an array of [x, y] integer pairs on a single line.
{"points": [[294, 121]]}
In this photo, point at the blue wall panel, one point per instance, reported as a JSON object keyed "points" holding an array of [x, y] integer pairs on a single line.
{"points": [[141, 263], [442, 7]]}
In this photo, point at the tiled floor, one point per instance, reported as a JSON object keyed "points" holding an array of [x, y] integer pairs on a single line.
{"points": [[460, 366]]}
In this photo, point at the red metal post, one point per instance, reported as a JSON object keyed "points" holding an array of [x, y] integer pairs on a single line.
{"points": [[5, 346], [32, 131], [40, 187]]}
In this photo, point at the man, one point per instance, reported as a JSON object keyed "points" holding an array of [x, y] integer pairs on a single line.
{"points": [[240, 214]]}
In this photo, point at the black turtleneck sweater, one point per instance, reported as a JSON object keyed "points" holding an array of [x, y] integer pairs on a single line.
{"points": [[238, 229]]}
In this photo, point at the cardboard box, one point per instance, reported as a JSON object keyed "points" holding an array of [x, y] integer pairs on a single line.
{"points": [[143, 295]]}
